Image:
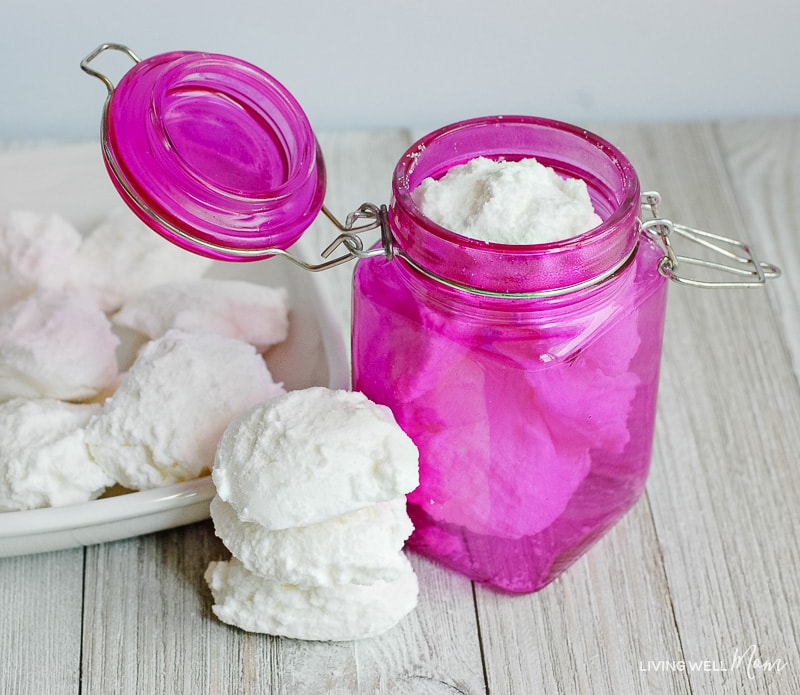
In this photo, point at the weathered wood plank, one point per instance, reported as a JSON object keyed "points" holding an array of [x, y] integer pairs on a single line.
{"points": [[40, 623], [148, 625], [591, 630], [149, 628], [723, 490], [434, 650], [763, 160]]}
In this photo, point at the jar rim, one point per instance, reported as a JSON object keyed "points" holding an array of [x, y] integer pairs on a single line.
{"points": [[521, 267], [405, 167]]}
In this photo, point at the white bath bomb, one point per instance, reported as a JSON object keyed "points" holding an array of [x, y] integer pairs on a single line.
{"points": [[123, 256], [56, 346], [162, 424], [247, 311], [337, 612], [43, 457], [359, 547], [36, 250], [311, 455]]}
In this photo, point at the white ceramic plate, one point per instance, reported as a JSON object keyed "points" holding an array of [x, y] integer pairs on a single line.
{"points": [[71, 180]]}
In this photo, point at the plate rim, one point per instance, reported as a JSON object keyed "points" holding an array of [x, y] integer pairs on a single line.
{"points": [[129, 505]]}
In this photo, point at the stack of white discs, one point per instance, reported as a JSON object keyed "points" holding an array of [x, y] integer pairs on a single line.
{"points": [[311, 503]]}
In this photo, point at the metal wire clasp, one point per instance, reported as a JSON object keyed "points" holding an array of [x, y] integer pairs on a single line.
{"points": [[728, 259], [376, 218], [102, 48]]}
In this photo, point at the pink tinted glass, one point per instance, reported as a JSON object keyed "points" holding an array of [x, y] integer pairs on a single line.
{"points": [[533, 415], [214, 154]]}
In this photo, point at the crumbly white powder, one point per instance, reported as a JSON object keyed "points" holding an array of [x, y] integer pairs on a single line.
{"points": [[163, 423], [254, 313], [122, 257], [360, 547], [313, 454], [335, 612], [507, 202], [43, 457], [36, 250], [56, 346]]}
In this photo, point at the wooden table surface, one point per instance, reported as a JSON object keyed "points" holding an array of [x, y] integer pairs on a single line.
{"points": [[692, 592]]}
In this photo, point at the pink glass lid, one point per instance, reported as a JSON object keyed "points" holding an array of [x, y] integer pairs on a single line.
{"points": [[214, 154]]}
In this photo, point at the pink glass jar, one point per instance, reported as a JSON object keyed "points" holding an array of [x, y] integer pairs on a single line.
{"points": [[526, 375]]}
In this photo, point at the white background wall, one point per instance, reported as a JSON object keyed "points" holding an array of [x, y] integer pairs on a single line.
{"points": [[373, 63]]}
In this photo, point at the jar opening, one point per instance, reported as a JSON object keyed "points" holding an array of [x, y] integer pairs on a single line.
{"points": [[572, 152]]}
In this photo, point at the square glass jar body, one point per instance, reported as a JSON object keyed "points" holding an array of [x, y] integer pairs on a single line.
{"points": [[526, 375]]}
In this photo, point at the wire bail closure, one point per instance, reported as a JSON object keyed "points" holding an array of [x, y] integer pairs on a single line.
{"points": [[377, 218], [730, 258]]}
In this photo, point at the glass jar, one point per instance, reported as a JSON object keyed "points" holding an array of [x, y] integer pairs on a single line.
{"points": [[526, 375]]}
